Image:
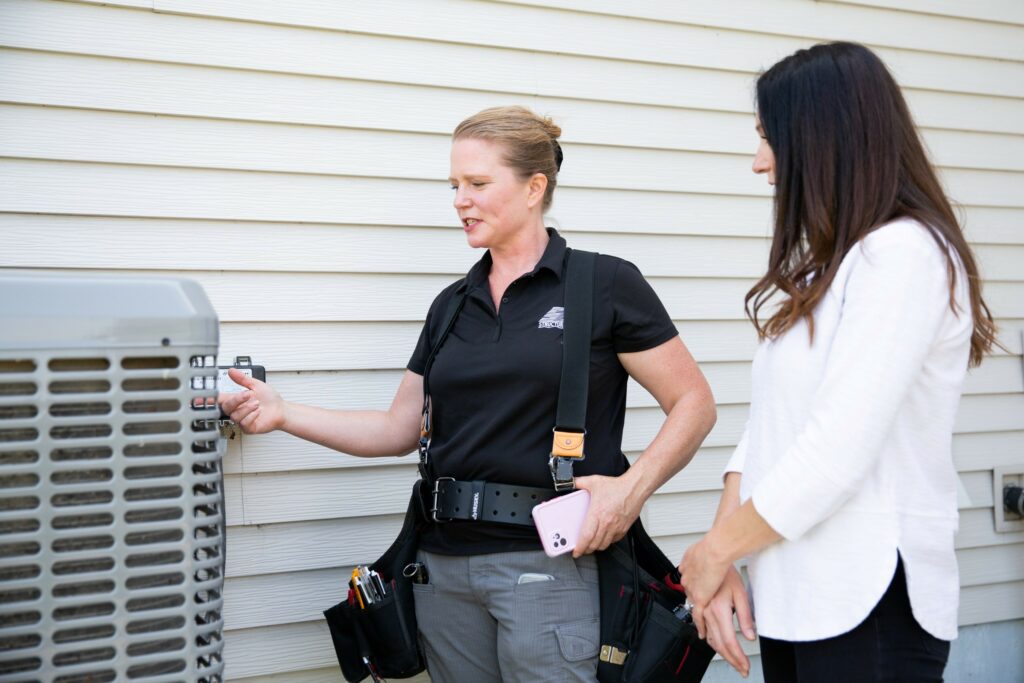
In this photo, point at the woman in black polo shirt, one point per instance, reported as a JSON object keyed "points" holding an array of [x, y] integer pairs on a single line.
{"points": [[495, 607]]}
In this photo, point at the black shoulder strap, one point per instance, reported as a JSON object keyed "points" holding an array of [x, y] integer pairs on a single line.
{"points": [[451, 313], [579, 310], [455, 305]]}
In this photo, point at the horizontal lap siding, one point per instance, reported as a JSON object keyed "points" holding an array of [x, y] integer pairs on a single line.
{"points": [[1003, 11], [291, 158]]}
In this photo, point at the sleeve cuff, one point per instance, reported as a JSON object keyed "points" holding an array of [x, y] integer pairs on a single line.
{"points": [[649, 343], [739, 456]]}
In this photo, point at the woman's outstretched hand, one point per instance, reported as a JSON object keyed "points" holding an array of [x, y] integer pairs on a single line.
{"points": [[258, 409]]}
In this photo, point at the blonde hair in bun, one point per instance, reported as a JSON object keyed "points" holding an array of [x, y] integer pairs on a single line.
{"points": [[530, 141]]}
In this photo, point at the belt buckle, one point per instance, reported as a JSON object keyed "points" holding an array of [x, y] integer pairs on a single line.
{"points": [[437, 492]]}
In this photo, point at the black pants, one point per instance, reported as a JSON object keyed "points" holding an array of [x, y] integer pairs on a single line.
{"points": [[887, 646]]}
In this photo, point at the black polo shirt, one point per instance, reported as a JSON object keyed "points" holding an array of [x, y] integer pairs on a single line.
{"points": [[494, 383]]}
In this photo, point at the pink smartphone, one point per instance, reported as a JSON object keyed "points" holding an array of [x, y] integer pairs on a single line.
{"points": [[560, 520]]}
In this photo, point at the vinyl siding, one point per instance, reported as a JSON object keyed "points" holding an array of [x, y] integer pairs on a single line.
{"points": [[291, 158]]}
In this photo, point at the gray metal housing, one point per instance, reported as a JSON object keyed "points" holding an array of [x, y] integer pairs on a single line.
{"points": [[111, 488]]}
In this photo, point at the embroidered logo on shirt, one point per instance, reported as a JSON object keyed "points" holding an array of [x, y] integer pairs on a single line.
{"points": [[552, 319]]}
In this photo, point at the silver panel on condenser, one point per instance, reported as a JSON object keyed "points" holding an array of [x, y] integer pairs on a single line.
{"points": [[111, 491]]}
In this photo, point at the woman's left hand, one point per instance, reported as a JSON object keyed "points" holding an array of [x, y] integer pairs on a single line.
{"points": [[613, 509], [702, 576], [719, 630]]}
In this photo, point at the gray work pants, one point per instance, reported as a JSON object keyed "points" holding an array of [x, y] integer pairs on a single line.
{"points": [[481, 620]]}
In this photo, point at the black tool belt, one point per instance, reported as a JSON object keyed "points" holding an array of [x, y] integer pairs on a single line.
{"points": [[484, 501]]}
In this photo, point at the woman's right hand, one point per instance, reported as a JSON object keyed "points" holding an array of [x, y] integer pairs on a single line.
{"points": [[721, 635], [258, 409]]}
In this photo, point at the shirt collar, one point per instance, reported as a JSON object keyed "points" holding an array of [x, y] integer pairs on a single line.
{"points": [[552, 259]]}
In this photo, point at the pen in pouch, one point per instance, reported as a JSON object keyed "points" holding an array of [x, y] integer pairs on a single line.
{"points": [[354, 583], [367, 590], [369, 585], [379, 583]]}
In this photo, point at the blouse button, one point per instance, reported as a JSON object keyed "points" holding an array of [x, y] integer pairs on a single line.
{"points": [[504, 299]]}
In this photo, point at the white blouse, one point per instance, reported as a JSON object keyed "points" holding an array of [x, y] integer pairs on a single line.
{"points": [[847, 452]]}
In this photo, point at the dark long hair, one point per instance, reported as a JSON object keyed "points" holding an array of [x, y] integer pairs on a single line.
{"points": [[848, 159]]}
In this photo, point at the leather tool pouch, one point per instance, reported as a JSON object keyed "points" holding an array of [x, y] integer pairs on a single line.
{"points": [[384, 632]]}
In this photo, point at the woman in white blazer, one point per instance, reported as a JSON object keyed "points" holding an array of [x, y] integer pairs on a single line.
{"points": [[842, 490]]}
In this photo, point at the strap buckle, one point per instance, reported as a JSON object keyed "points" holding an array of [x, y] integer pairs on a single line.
{"points": [[437, 492], [561, 473], [566, 449]]}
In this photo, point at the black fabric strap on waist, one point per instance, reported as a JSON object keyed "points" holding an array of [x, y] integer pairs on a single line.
{"points": [[484, 501]]}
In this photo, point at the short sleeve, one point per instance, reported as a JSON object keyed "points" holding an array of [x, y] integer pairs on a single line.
{"points": [[418, 362], [640, 320]]}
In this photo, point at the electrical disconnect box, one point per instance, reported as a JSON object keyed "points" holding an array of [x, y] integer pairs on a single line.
{"points": [[111, 489], [1005, 481]]}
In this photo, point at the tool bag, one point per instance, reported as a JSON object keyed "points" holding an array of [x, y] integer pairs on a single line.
{"points": [[646, 636], [383, 635], [646, 633]]}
